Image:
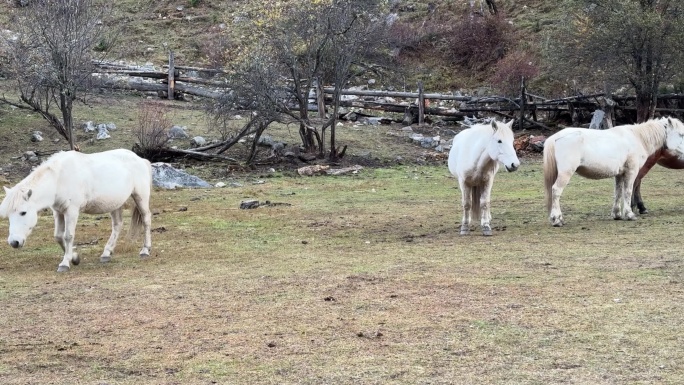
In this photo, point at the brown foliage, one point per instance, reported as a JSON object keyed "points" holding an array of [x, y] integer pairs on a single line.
{"points": [[151, 133]]}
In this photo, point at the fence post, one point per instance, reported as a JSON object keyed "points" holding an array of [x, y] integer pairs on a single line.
{"points": [[523, 100], [421, 104], [172, 80]]}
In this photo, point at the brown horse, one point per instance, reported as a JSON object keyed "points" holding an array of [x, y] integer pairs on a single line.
{"points": [[662, 157]]}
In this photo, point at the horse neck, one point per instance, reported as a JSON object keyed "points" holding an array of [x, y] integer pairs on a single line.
{"points": [[43, 184], [652, 135]]}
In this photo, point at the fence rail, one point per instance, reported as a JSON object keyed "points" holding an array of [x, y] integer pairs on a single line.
{"points": [[174, 80]]}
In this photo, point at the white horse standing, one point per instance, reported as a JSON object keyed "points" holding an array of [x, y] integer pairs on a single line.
{"points": [[617, 152], [70, 183], [474, 159]]}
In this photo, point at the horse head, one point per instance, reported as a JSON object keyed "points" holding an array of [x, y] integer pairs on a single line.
{"points": [[22, 213], [500, 146], [674, 140]]}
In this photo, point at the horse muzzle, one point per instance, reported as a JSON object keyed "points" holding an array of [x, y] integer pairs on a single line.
{"points": [[15, 244], [511, 167]]}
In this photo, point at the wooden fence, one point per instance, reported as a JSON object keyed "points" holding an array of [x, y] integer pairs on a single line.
{"points": [[173, 81]]}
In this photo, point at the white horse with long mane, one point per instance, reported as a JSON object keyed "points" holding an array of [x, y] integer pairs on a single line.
{"points": [[597, 154], [70, 183], [474, 160]]}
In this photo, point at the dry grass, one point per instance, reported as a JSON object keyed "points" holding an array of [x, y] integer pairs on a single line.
{"points": [[362, 280]]}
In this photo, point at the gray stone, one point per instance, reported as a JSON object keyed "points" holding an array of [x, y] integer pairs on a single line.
{"points": [[88, 126], [167, 177], [198, 141], [249, 204], [178, 132], [102, 132], [37, 136], [111, 126]]}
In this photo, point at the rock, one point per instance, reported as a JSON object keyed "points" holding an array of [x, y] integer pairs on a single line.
{"points": [[249, 204], [167, 177], [102, 132], [407, 129], [111, 126], [88, 126], [220, 184], [178, 132], [37, 136], [427, 142], [198, 141]]}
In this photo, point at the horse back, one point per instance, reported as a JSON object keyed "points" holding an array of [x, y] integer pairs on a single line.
{"points": [[101, 182]]}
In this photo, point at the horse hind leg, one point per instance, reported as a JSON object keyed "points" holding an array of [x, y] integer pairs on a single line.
{"points": [[117, 224], [555, 214], [466, 203], [143, 215]]}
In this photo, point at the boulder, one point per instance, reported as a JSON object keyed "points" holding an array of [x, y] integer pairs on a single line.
{"points": [[178, 132], [167, 177]]}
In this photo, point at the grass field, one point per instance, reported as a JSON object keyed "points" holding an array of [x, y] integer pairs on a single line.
{"points": [[361, 280]]}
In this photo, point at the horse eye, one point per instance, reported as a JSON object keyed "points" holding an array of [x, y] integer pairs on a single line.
{"points": [[22, 213], [500, 141]]}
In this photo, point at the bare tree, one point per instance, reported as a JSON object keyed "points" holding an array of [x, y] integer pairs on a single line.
{"points": [[50, 58], [357, 33], [307, 42], [639, 43]]}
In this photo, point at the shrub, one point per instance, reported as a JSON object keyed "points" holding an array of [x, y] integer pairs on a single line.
{"points": [[477, 42], [511, 69], [151, 133]]}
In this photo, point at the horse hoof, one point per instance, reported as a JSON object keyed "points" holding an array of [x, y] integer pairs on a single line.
{"points": [[487, 233], [644, 211], [105, 258], [465, 232], [557, 224], [144, 255], [75, 259], [62, 269]]}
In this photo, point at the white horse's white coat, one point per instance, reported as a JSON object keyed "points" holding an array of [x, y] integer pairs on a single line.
{"points": [[72, 182], [617, 152], [474, 159]]}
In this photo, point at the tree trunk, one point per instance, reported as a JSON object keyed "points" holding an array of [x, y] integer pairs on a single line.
{"points": [[645, 104], [66, 106]]}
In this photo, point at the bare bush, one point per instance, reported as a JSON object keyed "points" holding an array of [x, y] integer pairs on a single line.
{"points": [[151, 133], [511, 69], [478, 42]]}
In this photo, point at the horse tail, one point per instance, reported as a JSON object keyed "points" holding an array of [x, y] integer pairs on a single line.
{"points": [[550, 171], [475, 193], [136, 222]]}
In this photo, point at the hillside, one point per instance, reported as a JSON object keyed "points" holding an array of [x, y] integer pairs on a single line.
{"points": [[207, 33]]}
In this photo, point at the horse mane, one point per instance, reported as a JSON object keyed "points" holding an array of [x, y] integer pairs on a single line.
{"points": [[14, 196], [651, 133]]}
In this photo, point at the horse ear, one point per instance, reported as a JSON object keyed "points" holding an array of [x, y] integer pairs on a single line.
{"points": [[510, 124], [495, 126], [7, 190], [28, 194]]}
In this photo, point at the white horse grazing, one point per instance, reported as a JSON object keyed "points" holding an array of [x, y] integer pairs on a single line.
{"points": [[72, 182], [474, 159], [617, 152]]}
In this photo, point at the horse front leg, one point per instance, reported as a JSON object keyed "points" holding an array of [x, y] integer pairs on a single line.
{"points": [[627, 183], [616, 212], [637, 201], [485, 207], [466, 203], [117, 224], [59, 228], [70, 219]]}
